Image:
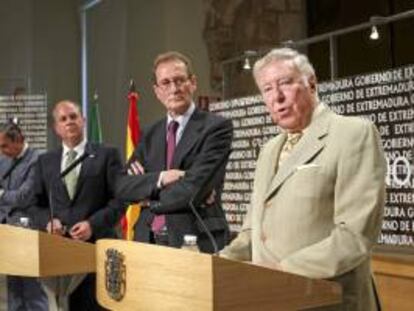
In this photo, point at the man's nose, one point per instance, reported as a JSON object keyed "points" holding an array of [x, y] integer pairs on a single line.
{"points": [[278, 95], [174, 86]]}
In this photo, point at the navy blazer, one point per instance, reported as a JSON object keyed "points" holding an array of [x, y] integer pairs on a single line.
{"points": [[94, 198], [205, 141]]}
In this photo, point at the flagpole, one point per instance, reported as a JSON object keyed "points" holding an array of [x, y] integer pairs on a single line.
{"points": [[84, 58]]}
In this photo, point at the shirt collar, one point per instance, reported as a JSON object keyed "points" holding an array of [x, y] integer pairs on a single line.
{"points": [[182, 119], [21, 154], [80, 148]]}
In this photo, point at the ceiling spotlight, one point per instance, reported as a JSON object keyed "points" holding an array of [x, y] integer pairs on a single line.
{"points": [[246, 65], [248, 54], [374, 35]]}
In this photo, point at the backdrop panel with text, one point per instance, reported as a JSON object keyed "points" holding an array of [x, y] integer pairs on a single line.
{"points": [[31, 113]]}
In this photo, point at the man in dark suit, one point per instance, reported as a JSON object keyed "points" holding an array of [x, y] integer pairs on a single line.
{"points": [[17, 162], [83, 202], [174, 159]]}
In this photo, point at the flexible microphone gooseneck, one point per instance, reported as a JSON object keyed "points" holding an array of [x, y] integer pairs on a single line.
{"points": [[11, 168], [75, 164], [207, 231], [201, 194]]}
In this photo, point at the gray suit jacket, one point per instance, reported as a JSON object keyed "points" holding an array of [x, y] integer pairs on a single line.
{"points": [[320, 214], [18, 186]]}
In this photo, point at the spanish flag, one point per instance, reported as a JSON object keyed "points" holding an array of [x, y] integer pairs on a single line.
{"points": [[132, 139]]}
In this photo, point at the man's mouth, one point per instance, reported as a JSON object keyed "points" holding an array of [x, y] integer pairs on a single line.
{"points": [[177, 98], [283, 112]]}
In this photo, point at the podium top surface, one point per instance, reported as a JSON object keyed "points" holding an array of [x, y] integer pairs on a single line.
{"points": [[27, 252]]}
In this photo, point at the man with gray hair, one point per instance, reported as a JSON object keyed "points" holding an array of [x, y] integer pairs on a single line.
{"points": [[319, 186], [17, 162]]}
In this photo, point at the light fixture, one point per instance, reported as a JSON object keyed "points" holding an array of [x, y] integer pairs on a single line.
{"points": [[288, 44], [374, 35], [246, 64], [247, 55]]}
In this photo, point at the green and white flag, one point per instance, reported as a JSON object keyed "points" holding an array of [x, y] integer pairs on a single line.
{"points": [[94, 122]]}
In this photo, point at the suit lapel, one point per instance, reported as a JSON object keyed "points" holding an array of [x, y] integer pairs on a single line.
{"points": [[190, 136], [159, 140], [85, 167], [307, 148]]}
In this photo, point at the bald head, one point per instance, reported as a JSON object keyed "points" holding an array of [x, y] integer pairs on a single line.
{"points": [[68, 122]]}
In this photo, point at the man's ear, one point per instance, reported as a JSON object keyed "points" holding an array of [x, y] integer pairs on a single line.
{"points": [[193, 80], [157, 91], [312, 81]]}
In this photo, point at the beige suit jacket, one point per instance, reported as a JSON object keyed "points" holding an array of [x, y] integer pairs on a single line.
{"points": [[321, 213]]}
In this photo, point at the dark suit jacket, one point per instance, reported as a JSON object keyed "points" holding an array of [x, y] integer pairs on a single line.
{"points": [[18, 186], [94, 198], [205, 141]]}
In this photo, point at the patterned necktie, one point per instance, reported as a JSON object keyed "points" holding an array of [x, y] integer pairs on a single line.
{"points": [[292, 140], [72, 177], [159, 220]]}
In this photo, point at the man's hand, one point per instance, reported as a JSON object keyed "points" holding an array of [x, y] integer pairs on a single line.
{"points": [[58, 228], [211, 199], [81, 231], [135, 168], [171, 176]]}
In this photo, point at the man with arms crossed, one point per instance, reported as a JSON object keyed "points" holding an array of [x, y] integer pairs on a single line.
{"points": [[175, 157], [319, 186]]}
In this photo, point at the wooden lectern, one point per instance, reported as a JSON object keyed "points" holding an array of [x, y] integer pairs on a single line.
{"points": [[163, 278], [27, 252]]}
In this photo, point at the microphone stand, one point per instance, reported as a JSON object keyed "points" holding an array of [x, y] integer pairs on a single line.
{"points": [[201, 194], [51, 209], [206, 230]]}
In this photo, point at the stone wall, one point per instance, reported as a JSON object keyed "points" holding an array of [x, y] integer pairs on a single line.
{"points": [[234, 26]]}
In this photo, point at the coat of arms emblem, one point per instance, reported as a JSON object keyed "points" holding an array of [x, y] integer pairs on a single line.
{"points": [[115, 274]]}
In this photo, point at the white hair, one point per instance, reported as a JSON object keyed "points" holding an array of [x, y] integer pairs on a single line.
{"points": [[300, 61]]}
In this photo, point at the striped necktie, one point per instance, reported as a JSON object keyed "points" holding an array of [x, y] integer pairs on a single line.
{"points": [[72, 177], [291, 141]]}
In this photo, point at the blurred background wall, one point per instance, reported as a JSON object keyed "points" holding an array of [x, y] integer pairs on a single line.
{"points": [[41, 42]]}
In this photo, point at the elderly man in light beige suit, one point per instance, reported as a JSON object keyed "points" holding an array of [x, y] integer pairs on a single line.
{"points": [[317, 205]]}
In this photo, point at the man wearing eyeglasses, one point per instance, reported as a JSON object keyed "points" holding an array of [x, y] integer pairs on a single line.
{"points": [[174, 159], [319, 186]]}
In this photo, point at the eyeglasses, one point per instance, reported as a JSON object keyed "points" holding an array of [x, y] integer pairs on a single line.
{"points": [[283, 84], [166, 84]]}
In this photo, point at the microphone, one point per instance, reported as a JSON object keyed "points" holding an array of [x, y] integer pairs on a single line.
{"points": [[11, 168], [62, 175], [75, 164], [201, 194]]}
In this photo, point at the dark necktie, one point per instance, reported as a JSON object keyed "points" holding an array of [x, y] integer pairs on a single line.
{"points": [[159, 221]]}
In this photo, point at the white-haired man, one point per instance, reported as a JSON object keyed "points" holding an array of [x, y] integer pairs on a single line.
{"points": [[319, 187]]}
